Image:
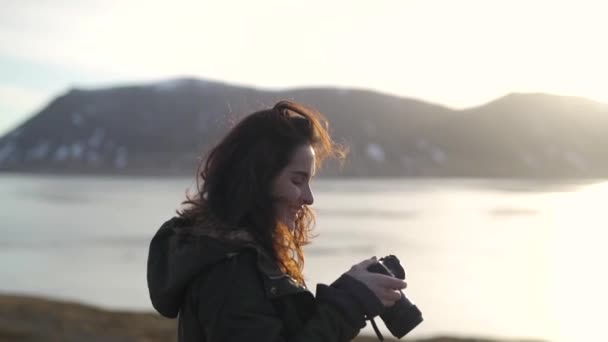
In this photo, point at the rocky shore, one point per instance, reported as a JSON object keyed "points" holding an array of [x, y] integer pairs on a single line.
{"points": [[30, 319]]}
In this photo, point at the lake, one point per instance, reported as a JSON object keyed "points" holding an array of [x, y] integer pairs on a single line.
{"points": [[491, 258]]}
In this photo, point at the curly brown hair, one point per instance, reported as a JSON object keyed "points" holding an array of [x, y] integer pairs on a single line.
{"points": [[234, 179]]}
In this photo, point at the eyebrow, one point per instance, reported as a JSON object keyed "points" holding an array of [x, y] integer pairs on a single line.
{"points": [[301, 173]]}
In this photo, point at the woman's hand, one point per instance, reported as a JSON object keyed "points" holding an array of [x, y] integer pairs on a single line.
{"points": [[386, 288]]}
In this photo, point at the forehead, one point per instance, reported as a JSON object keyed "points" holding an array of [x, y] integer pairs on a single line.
{"points": [[303, 159]]}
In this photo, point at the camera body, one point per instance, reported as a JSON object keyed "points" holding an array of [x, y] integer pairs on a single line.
{"points": [[403, 316]]}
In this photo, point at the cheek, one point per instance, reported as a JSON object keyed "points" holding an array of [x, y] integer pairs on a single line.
{"points": [[289, 196], [293, 194]]}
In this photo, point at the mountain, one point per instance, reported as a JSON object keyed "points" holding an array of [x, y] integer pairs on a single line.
{"points": [[162, 128], [528, 135]]}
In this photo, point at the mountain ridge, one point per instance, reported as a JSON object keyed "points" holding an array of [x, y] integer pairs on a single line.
{"points": [[163, 127]]}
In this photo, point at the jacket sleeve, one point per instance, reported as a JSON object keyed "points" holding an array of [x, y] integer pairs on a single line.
{"points": [[234, 307]]}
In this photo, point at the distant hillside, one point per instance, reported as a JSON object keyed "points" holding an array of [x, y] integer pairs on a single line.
{"points": [[162, 128], [532, 135]]}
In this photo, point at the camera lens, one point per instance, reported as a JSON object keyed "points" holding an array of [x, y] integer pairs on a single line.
{"points": [[392, 263]]}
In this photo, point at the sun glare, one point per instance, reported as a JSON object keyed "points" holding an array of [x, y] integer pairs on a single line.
{"points": [[579, 278]]}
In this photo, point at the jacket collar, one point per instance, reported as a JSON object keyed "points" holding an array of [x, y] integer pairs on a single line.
{"points": [[276, 282], [238, 238]]}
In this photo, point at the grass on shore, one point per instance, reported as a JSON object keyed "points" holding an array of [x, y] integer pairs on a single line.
{"points": [[30, 319]]}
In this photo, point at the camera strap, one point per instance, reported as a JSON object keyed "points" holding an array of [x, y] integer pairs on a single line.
{"points": [[376, 330]]}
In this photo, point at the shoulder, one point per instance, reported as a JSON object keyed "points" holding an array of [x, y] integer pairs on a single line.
{"points": [[231, 284], [239, 264], [246, 272], [230, 273]]}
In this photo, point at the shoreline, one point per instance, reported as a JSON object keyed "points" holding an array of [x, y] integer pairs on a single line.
{"points": [[29, 318]]}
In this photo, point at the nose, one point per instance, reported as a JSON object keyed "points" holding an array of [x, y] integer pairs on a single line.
{"points": [[307, 197]]}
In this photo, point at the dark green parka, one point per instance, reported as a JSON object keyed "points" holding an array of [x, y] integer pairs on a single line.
{"points": [[223, 288]]}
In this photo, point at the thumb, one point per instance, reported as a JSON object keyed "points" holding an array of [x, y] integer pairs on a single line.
{"points": [[367, 263]]}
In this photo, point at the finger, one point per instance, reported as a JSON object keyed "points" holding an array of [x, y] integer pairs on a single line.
{"points": [[387, 303], [396, 295], [389, 282], [390, 296], [366, 263]]}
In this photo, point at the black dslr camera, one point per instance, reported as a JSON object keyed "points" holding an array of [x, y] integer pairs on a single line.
{"points": [[403, 316]]}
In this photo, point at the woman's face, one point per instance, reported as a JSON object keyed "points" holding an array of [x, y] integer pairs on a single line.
{"points": [[291, 187]]}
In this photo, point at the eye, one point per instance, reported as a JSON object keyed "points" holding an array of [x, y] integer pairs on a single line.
{"points": [[297, 181]]}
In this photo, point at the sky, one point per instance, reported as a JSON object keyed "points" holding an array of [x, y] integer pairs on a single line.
{"points": [[456, 53]]}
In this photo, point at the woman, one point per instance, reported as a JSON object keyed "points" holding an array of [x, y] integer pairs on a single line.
{"points": [[230, 264]]}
